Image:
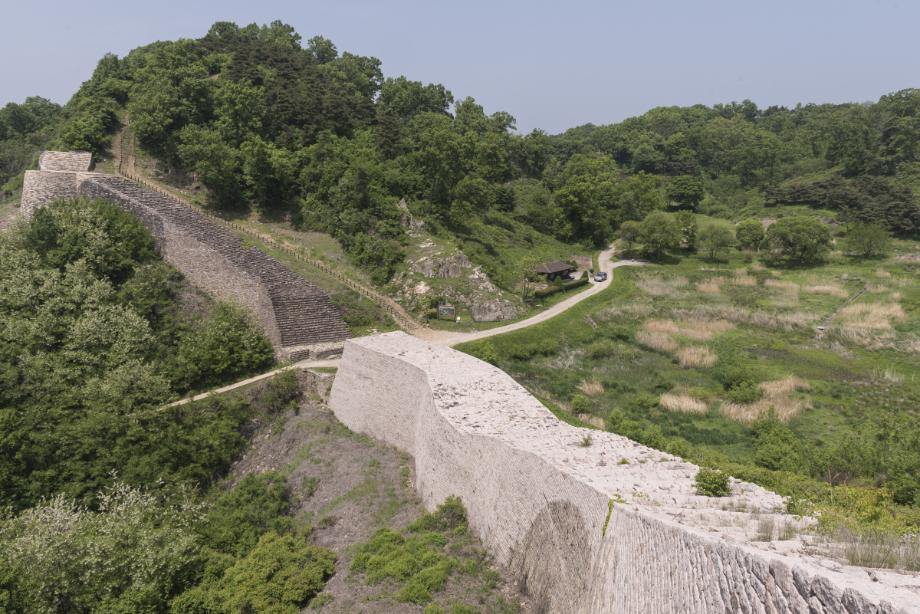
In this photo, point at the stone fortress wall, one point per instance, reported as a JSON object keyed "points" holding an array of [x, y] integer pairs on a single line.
{"points": [[612, 526], [297, 316]]}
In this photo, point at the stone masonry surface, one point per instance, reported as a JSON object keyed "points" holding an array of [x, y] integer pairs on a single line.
{"points": [[589, 525], [73, 161], [295, 314]]}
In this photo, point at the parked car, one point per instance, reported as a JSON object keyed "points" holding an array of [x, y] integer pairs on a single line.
{"points": [[600, 276]]}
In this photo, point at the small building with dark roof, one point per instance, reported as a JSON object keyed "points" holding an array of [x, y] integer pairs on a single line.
{"points": [[555, 270]]}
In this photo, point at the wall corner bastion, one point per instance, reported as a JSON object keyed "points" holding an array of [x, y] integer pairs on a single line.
{"points": [[610, 527]]}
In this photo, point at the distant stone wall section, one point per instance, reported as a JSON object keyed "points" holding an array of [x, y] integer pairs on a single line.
{"points": [[40, 187], [297, 316], [588, 525]]}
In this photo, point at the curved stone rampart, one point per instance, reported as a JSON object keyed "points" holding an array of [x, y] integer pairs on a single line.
{"points": [[297, 316], [589, 521]]}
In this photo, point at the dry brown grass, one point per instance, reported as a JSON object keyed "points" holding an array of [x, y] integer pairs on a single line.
{"points": [[712, 285], [682, 403], [591, 388], [785, 386], [777, 284], [876, 288], [743, 279], [699, 329], [743, 315], [661, 326], [661, 342], [656, 285], [882, 273], [696, 357], [663, 335], [870, 316], [628, 311], [831, 289], [779, 397]]}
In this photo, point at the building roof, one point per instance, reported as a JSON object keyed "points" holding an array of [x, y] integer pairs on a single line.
{"points": [[548, 268]]}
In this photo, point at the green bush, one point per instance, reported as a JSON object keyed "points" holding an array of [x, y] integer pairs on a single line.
{"points": [[110, 241], [280, 574], [800, 240], [712, 483], [485, 351], [227, 347], [239, 516], [417, 561], [282, 392]]}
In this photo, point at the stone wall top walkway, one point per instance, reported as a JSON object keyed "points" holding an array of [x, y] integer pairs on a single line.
{"points": [[589, 520]]}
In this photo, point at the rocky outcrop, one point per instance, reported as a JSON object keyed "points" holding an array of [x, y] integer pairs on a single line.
{"points": [[588, 520], [493, 311], [444, 267]]}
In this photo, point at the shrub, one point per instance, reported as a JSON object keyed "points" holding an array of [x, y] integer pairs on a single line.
{"points": [[744, 391], [750, 234], [581, 404], [227, 347], [111, 241], [868, 240], [280, 574], [715, 240], [486, 352], [417, 559], [798, 240], [561, 287], [712, 483], [240, 515]]}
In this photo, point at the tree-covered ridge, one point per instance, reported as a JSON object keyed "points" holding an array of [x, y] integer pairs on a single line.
{"points": [[324, 139], [24, 130], [95, 339]]}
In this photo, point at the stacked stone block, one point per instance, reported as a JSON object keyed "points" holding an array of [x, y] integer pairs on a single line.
{"points": [[588, 521], [296, 315]]}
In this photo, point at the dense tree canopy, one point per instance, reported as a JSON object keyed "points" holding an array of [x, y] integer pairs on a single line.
{"points": [[94, 342], [302, 130]]}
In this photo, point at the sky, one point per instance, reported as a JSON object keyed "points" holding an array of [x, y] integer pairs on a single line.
{"points": [[552, 65]]}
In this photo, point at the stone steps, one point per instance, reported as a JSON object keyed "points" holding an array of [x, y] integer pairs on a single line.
{"points": [[303, 312]]}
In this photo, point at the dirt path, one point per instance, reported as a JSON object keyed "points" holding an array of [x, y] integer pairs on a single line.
{"points": [[125, 163], [449, 338]]}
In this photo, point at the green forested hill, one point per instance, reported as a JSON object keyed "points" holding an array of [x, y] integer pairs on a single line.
{"points": [[322, 138]]}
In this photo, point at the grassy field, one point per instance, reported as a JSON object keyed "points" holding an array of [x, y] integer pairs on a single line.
{"points": [[771, 374]]}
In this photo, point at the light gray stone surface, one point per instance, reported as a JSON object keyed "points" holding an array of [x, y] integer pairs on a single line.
{"points": [[72, 161], [608, 527]]}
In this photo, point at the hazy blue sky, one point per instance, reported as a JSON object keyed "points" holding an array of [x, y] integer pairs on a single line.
{"points": [[552, 65]]}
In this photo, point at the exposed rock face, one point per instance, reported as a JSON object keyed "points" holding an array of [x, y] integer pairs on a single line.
{"points": [[494, 310], [443, 267], [412, 224], [612, 526], [297, 316]]}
